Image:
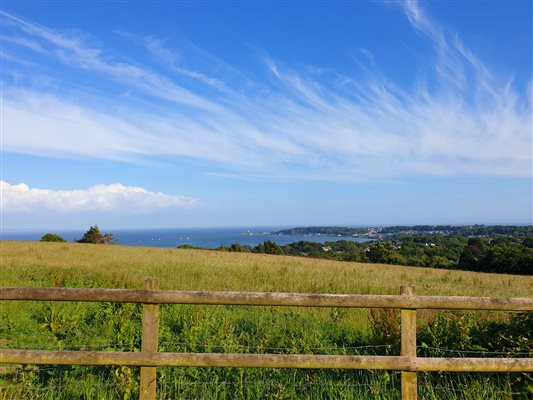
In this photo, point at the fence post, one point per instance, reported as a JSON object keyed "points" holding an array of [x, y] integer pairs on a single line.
{"points": [[408, 328], [149, 342]]}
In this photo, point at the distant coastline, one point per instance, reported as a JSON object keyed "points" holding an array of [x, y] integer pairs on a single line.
{"points": [[405, 230]]}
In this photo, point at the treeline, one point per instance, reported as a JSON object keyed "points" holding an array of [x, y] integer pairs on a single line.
{"points": [[510, 255]]}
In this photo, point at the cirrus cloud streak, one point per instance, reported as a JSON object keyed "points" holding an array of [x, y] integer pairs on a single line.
{"points": [[292, 125]]}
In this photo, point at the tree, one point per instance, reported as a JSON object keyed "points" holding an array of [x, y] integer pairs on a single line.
{"points": [[52, 237], [467, 260], [239, 248], [379, 252], [442, 262], [108, 238], [528, 242], [472, 253], [269, 247], [93, 235]]}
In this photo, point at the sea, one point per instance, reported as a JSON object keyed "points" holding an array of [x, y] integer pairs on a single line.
{"points": [[198, 237]]}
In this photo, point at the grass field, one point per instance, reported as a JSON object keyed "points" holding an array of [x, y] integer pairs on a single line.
{"points": [[106, 326], [82, 265]]}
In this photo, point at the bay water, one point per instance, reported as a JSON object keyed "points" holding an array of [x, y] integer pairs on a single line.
{"points": [[173, 237]]}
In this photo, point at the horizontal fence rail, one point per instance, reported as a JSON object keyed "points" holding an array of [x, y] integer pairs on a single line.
{"points": [[149, 358], [268, 299], [304, 361]]}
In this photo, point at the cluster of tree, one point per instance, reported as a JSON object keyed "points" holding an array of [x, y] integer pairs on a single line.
{"points": [[501, 254], [267, 247], [93, 235]]}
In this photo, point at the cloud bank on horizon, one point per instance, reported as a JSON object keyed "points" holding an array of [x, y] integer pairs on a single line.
{"points": [[106, 198], [291, 123]]}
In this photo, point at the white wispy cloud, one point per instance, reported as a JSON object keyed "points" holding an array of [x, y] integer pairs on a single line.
{"points": [[172, 59], [72, 50], [294, 125], [114, 197]]}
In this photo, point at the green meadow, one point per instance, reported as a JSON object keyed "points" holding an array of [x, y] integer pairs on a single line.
{"points": [[241, 329]]}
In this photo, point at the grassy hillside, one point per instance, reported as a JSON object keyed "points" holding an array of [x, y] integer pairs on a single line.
{"points": [[82, 265], [106, 326]]}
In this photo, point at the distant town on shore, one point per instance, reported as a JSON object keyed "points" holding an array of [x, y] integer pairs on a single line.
{"points": [[410, 230]]}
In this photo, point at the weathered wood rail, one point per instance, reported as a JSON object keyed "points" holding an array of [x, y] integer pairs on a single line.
{"points": [[149, 358]]}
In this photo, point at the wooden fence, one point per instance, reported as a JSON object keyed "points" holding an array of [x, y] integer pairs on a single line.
{"points": [[149, 358]]}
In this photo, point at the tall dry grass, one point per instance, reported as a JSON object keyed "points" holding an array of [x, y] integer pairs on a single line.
{"points": [[78, 265]]}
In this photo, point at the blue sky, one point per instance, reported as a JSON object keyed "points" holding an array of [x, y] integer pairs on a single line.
{"points": [[184, 114]]}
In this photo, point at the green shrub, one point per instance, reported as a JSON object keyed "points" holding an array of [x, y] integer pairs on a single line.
{"points": [[52, 237]]}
